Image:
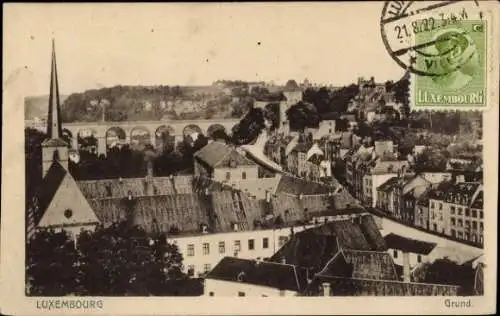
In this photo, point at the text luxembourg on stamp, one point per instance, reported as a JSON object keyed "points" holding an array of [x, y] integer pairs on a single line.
{"points": [[443, 45], [454, 55]]}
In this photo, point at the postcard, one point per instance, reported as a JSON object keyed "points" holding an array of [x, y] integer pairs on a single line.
{"points": [[250, 158]]}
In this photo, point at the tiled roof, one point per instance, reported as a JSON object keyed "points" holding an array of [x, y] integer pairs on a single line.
{"points": [[162, 212], [269, 274], [337, 212], [114, 188], [309, 250], [340, 286], [373, 265], [219, 154], [294, 185], [439, 192], [406, 244], [461, 193]]}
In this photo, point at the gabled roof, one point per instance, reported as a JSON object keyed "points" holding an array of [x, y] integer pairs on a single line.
{"points": [[406, 244], [358, 264], [47, 190], [388, 166], [478, 201], [219, 154], [309, 250], [262, 273]]}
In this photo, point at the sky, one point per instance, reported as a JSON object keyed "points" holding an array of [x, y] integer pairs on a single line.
{"points": [[101, 45]]}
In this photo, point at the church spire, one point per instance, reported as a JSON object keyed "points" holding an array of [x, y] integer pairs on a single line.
{"points": [[54, 129]]}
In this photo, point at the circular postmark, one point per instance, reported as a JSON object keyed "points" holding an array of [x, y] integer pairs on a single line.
{"points": [[427, 38]]}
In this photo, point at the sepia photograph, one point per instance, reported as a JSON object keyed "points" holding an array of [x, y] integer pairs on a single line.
{"points": [[253, 151]]}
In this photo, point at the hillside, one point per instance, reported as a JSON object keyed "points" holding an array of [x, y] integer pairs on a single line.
{"points": [[36, 106], [145, 103]]}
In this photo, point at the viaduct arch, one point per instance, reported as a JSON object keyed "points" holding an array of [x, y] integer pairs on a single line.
{"points": [[109, 133]]}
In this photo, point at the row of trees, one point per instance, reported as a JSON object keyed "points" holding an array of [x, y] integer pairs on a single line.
{"points": [[120, 260]]}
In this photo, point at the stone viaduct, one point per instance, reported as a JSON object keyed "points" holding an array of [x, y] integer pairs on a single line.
{"points": [[129, 132]]}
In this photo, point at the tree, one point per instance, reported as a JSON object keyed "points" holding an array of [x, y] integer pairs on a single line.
{"points": [[50, 269], [430, 160], [446, 271], [249, 127], [124, 260], [33, 157], [302, 115]]}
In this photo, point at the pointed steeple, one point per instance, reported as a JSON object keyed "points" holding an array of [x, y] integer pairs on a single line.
{"points": [[54, 129]]}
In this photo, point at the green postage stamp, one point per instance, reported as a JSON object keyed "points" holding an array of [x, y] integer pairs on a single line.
{"points": [[452, 56]]}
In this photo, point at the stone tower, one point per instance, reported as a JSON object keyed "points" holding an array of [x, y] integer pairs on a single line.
{"points": [[54, 148]]}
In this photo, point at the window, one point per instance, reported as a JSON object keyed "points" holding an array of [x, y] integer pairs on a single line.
{"points": [[419, 258], [211, 293], [206, 248], [222, 247], [395, 254], [467, 212], [190, 251], [243, 175], [434, 226], [452, 210], [481, 226], [453, 222], [453, 233], [460, 223], [432, 204], [282, 240], [440, 206], [467, 223], [474, 213], [480, 214], [265, 242], [206, 267], [241, 293], [460, 235], [237, 246], [190, 270], [459, 211], [228, 176], [251, 244], [474, 224]]}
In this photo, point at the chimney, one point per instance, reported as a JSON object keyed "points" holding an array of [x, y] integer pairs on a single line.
{"points": [[326, 288], [406, 267], [283, 260], [235, 227]]}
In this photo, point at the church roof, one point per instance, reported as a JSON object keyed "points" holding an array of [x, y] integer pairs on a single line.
{"points": [[47, 190]]}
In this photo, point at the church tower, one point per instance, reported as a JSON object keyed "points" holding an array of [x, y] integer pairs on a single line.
{"points": [[54, 148]]}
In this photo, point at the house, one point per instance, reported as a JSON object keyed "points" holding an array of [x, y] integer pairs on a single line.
{"points": [[223, 163], [398, 196], [349, 257], [375, 173], [414, 251], [254, 278], [422, 209], [456, 209]]}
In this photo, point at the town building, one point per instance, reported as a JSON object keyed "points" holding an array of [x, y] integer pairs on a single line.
{"points": [[456, 210], [223, 163], [398, 196], [234, 277], [407, 249]]}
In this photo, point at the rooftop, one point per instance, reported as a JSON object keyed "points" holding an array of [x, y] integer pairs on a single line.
{"points": [[409, 245], [263, 273]]}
